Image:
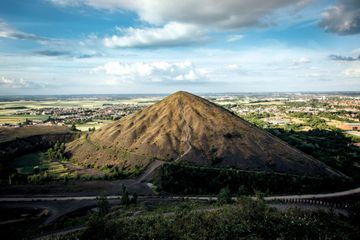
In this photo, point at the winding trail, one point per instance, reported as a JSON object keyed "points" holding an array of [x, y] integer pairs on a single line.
{"points": [[146, 175], [188, 138], [316, 196]]}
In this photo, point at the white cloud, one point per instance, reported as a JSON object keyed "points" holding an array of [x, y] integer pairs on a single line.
{"points": [[342, 18], [232, 66], [235, 38], [98, 4], [186, 22], [353, 71], [153, 72], [172, 34], [67, 2], [301, 60], [17, 83], [8, 32], [225, 14], [356, 52]]}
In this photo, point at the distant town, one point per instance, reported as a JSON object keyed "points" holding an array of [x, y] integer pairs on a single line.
{"points": [[78, 115], [298, 111]]}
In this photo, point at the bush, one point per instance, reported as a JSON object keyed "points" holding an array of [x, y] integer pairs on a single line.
{"points": [[57, 152], [103, 205], [224, 196], [125, 198]]}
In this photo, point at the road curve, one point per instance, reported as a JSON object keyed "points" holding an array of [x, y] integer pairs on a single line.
{"points": [[316, 196]]}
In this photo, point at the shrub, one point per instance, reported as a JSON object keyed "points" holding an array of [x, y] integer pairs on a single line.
{"points": [[125, 199], [224, 196], [103, 205]]}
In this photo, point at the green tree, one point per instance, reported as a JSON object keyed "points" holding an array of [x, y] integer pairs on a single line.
{"points": [[125, 198], [243, 190], [134, 198], [57, 152], [354, 213], [73, 127], [224, 196], [103, 205], [96, 228]]}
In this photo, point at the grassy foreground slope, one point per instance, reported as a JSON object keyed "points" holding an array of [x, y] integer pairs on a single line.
{"points": [[246, 219]]}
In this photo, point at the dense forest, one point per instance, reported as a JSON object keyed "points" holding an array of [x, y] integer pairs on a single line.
{"points": [[331, 147], [189, 179]]}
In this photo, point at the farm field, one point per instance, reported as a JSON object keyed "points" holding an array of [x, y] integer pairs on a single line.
{"points": [[97, 124], [16, 119], [12, 107]]}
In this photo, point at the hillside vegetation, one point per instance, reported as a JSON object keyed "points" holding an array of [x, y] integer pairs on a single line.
{"points": [[245, 219]]}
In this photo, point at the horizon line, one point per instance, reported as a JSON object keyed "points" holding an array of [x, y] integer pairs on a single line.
{"points": [[167, 93]]}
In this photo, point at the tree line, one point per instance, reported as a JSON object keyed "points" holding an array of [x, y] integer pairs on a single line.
{"points": [[189, 179]]}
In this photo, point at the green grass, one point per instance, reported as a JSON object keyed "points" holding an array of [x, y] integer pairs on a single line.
{"points": [[47, 170], [56, 168], [97, 124], [26, 163]]}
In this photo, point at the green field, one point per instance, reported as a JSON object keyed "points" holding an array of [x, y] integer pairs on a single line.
{"points": [[37, 168], [97, 124]]}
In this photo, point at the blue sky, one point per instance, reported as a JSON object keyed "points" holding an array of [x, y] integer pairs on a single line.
{"points": [[161, 46]]}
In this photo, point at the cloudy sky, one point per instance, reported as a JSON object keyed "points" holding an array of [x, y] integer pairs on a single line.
{"points": [[161, 46]]}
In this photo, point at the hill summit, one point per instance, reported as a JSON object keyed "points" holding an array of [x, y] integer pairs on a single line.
{"points": [[185, 127]]}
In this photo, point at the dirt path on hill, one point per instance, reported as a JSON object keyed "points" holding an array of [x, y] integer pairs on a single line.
{"points": [[146, 175], [188, 139]]}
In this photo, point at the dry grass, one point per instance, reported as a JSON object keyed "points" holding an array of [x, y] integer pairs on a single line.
{"points": [[11, 133]]}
